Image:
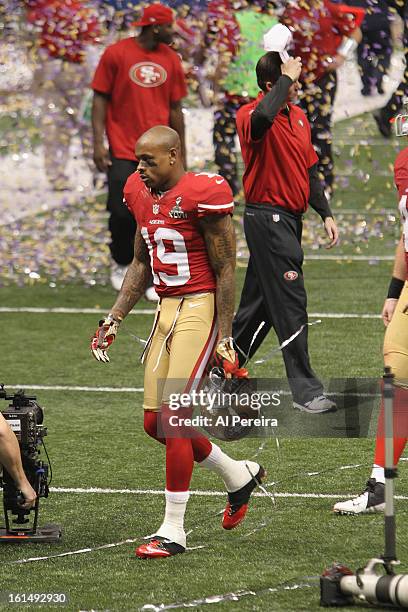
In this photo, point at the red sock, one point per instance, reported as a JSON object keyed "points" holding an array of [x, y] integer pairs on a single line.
{"points": [[184, 445], [179, 464], [400, 427], [150, 425], [201, 445]]}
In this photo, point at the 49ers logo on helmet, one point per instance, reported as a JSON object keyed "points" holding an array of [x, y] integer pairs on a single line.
{"points": [[148, 74], [290, 275]]}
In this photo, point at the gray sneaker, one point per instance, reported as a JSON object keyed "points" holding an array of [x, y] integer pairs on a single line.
{"points": [[372, 499], [318, 404]]}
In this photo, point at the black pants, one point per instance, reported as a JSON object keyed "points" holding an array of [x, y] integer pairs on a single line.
{"points": [[122, 224], [374, 61], [268, 295], [317, 102]]}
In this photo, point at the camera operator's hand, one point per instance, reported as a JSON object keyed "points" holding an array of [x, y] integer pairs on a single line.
{"points": [[28, 493], [103, 338]]}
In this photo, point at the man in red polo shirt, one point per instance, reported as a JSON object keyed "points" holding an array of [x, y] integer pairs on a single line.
{"points": [[280, 180], [138, 84]]}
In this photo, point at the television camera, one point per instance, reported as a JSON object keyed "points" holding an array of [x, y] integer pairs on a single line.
{"points": [[25, 417]]}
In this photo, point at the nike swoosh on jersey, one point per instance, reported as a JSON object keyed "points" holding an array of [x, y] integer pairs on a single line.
{"points": [[219, 182], [195, 305]]}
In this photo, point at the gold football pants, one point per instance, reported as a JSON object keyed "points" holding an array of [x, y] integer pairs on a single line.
{"points": [[396, 341], [183, 339]]}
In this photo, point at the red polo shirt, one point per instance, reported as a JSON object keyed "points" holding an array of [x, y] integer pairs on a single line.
{"points": [[142, 84], [276, 167]]}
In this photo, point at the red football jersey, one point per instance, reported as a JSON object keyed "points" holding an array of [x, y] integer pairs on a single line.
{"points": [[141, 84], [317, 34], [170, 227], [276, 167], [401, 181]]}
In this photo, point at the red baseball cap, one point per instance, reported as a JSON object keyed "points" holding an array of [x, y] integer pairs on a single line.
{"points": [[155, 14]]}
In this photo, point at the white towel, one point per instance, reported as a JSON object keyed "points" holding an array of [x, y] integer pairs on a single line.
{"points": [[278, 39]]}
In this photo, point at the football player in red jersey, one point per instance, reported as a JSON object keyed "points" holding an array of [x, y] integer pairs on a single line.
{"points": [[185, 232], [395, 351]]}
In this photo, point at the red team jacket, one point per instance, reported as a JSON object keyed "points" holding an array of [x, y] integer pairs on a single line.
{"points": [[170, 227], [401, 181]]}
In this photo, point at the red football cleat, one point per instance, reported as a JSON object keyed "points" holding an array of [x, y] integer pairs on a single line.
{"points": [[237, 504], [158, 548], [233, 515]]}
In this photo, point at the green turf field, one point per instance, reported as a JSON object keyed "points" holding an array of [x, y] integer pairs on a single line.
{"points": [[59, 259]]}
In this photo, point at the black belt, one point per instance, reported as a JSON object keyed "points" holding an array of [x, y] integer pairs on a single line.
{"points": [[272, 208]]}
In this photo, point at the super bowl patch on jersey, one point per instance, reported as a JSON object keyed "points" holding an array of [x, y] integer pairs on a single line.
{"points": [[177, 212]]}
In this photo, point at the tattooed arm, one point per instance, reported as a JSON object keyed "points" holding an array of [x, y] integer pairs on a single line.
{"points": [[133, 287], [135, 281], [219, 236]]}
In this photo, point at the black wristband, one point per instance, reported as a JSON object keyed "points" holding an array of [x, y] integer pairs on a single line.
{"points": [[395, 288]]}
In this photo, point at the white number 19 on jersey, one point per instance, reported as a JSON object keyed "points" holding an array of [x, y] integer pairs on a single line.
{"points": [[178, 257]]}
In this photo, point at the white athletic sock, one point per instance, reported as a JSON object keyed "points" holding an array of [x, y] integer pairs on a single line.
{"points": [[172, 527], [234, 473], [378, 473]]}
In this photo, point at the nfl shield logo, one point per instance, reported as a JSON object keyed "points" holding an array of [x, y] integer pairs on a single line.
{"points": [[276, 218], [156, 209]]}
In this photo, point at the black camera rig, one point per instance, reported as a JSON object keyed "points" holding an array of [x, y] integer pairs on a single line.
{"points": [[25, 417]]}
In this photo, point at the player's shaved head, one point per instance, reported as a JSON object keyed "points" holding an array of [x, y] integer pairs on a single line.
{"points": [[159, 157], [160, 136]]}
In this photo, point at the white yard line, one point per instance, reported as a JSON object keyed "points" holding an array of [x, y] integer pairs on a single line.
{"points": [[349, 257], [344, 315], [371, 258], [34, 310], [284, 392], [363, 211], [81, 551], [198, 493], [68, 388]]}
